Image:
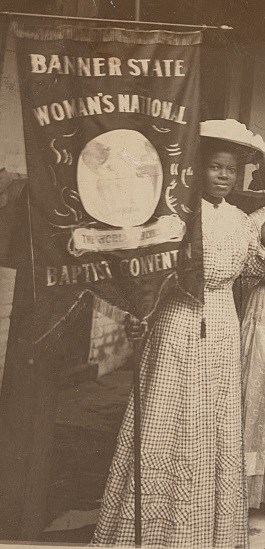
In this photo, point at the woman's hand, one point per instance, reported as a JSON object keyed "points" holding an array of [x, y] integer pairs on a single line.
{"points": [[262, 235], [135, 329]]}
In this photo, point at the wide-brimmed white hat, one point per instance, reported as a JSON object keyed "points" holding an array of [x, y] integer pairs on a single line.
{"points": [[233, 131]]}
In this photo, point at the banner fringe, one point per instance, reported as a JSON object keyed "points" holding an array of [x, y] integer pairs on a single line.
{"points": [[126, 36]]}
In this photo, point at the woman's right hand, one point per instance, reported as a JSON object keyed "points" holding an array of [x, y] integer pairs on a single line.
{"points": [[134, 328]]}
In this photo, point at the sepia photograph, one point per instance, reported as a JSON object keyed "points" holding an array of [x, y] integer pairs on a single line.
{"points": [[132, 274]]}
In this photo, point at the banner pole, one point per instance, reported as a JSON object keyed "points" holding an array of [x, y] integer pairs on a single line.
{"points": [[137, 10], [137, 347], [115, 21]]}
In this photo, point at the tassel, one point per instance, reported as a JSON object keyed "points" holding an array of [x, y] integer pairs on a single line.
{"points": [[203, 329]]}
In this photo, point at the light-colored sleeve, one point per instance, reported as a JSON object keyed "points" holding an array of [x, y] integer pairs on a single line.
{"points": [[254, 269]]}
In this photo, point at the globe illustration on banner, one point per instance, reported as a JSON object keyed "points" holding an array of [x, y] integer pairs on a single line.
{"points": [[119, 178]]}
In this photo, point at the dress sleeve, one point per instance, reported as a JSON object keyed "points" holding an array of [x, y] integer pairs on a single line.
{"points": [[254, 269]]}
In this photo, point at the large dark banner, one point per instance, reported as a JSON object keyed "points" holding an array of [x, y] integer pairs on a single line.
{"points": [[111, 121]]}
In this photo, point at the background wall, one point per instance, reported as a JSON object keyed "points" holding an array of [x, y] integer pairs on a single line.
{"points": [[7, 284]]}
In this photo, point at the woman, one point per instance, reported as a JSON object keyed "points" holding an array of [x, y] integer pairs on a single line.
{"points": [[193, 488], [253, 346]]}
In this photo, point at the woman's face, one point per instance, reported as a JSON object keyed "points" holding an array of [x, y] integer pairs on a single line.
{"points": [[221, 174]]}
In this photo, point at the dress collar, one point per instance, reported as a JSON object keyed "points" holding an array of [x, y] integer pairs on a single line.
{"points": [[212, 204]]}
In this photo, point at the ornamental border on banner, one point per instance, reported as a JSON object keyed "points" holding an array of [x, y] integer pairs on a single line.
{"points": [[104, 34]]}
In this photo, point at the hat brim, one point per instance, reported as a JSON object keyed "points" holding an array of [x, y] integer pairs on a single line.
{"points": [[248, 154]]}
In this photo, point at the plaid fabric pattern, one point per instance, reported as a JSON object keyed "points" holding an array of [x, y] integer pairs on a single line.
{"points": [[193, 479]]}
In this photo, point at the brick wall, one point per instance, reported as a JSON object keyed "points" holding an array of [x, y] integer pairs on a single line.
{"points": [[109, 347]]}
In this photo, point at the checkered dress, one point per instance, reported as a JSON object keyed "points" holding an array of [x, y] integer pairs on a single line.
{"points": [[193, 482]]}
